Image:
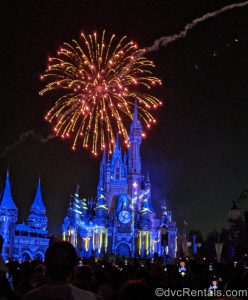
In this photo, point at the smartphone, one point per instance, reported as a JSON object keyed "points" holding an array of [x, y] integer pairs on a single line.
{"points": [[213, 285], [182, 267]]}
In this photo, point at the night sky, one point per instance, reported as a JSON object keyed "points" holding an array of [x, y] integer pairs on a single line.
{"points": [[197, 154]]}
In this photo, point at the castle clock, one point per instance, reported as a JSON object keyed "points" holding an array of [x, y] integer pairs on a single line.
{"points": [[124, 217]]}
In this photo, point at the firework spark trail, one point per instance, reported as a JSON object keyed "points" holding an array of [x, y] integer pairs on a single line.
{"points": [[22, 139], [166, 40]]}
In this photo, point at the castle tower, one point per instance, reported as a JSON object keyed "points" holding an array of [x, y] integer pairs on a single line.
{"points": [[134, 159], [107, 181], [8, 218], [66, 224], [100, 234], [37, 217], [101, 182], [168, 233], [125, 162], [75, 213], [117, 164], [77, 207], [144, 228], [115, 181], [148, 185]]}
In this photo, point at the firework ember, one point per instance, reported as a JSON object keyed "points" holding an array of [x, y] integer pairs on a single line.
{"points": [[98, 81]]}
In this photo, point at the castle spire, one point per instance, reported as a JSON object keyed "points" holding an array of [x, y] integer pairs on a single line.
{"points": [[101, 172], [148, 183], [136, 125], [117, 153], [77, 189], [101, 209], [134, 159], [146, 206], [38, 204], [7, 200], [101, 201], [104, 156], [125, 158], [135, 113], [37, 218], [117, 142], [148, 177]]}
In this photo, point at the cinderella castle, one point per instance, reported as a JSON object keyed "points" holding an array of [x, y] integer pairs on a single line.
{"points": [[121, 221], [23, 241]]}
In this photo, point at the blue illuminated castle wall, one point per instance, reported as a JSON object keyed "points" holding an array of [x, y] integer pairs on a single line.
{"points": [[23, 241], [121, 220]]}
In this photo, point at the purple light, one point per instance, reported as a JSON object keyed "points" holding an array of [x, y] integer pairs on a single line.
{"points": [[135, 184]]}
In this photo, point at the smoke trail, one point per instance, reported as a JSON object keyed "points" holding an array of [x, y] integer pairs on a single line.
{"points": [[165, 40], [23, 137]]}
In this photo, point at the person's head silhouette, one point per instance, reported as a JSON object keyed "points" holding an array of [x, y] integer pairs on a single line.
{"points": [[60, 260]]}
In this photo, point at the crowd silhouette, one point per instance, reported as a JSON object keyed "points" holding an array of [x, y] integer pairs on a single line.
{"points": [[62, 275]]}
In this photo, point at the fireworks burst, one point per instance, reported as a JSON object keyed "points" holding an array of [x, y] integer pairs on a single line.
{"points": [[100, 81]]}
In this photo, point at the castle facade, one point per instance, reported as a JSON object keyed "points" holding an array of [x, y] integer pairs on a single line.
{"points": [[122, 220], [23, 241]]}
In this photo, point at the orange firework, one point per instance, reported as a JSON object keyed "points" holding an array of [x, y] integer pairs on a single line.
{"points": [[100, 81]]}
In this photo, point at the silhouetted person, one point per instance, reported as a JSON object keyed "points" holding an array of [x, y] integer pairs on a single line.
{"points": [[136, 290], [83, 278], [60, 260]]}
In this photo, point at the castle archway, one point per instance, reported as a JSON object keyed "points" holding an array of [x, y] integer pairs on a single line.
{"points": [[26, 256], [123, 249], [39, 255]]}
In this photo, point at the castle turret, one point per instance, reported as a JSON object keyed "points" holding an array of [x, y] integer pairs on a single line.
{"points": [[108, 175], [100, 235], [125, 162], [84, 207], [168, 233], [166, 215], [145, 214], [77, 209], [8, 218], [101, 207], [134, 159], [148, 185], [144, 228], [116, 163], [134, 163], [101, 181], [115, 181], [37, 217]]}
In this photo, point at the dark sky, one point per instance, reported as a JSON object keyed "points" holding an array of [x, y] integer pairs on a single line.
{"points": [[197, 154]]}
